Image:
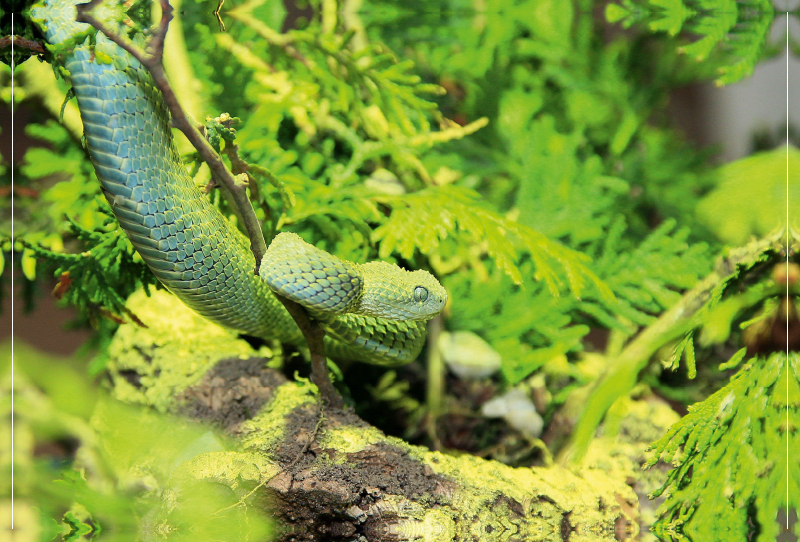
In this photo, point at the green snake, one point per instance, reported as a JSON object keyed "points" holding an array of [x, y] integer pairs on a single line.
{"points": [[374, 312]]}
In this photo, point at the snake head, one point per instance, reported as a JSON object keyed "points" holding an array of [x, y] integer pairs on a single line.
{"points": [[396, 294], [325, 284]]}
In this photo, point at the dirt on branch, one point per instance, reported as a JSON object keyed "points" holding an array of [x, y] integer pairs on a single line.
{"points": [[326, 474]]}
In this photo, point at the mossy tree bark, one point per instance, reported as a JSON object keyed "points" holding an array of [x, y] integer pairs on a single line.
{"points": [[328, 475]]}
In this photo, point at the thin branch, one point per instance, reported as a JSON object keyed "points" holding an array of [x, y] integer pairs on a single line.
{"points": [[435, 389], [19, 41], [151, 59], [314, 434], [314, 335], [220, 22], [241, 167], [155, 45]]}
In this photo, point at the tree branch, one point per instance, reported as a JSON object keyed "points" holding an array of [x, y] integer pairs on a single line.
{"points": [[355, 481], [241, 167], [151, 59], [24, 43], [314, 336]]}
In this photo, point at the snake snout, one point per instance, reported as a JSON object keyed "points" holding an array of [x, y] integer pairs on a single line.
{"points": [[393, 293], [431, 298]]}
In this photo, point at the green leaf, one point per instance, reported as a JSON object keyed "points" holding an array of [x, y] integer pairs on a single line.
{"points": [[733, 446], [729, 36], [551, 20], [28, 264], [421, 221], [627, 128], [750, 197], [734, 361], [671, 16], [520, 360], [616, 13], [691, 363]]}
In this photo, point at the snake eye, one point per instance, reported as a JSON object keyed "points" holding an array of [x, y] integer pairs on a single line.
{"points": [[420, 294]]}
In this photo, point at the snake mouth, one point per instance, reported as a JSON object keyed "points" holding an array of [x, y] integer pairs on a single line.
{"points": [[402, 308]]}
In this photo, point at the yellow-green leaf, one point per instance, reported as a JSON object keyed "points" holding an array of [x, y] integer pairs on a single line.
{"points": [[29, 264], [750, 197]]}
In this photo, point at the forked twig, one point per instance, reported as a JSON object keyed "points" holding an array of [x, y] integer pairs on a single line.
{"points": [[151, 57]]}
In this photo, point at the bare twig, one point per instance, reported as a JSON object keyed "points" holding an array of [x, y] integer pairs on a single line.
{"points": [[151, 59], [241, 167], [155, 45], [314, 335], [320, 420], [219, 19], [19, 41]]}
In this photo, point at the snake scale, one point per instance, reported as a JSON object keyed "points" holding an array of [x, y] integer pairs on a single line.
{"points": [[372, 312]]}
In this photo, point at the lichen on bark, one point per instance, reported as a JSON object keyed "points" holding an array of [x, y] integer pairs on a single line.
{"points": [[334, 476], [151, 365]]}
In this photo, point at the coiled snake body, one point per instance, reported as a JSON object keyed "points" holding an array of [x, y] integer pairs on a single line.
{"points": [[373, 312]]}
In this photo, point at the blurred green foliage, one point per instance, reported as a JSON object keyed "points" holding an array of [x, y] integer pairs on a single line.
{"points": [[727, 36], [736, 443], [569, 152], [86, 465], [754, 190]]}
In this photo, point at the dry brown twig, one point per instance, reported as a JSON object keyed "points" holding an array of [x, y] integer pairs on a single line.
{"points": [[151, 57], [24, 43]]}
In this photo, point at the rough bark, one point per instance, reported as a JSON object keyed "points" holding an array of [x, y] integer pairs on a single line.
{"points": [[333, 477]]}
